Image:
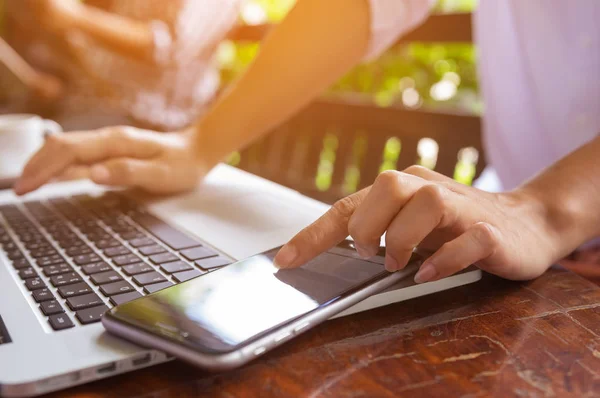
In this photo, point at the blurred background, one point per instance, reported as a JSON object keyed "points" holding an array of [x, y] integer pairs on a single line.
{"points": [[417, 104], [434, 75]]}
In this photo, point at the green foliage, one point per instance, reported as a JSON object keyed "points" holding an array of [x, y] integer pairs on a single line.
{"points": [[406, 75], [275, 10]]}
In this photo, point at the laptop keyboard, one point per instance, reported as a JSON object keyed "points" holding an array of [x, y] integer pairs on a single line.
{"points": [[78, 256]]}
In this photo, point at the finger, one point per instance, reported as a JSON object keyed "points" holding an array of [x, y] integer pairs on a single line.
{"points": [[428, 209], [74, 173], [477, 244], [390, 192], [63, 150], [329, 230], [427, 174], [126, 172]]}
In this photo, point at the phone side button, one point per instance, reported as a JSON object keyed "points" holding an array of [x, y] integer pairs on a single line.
{"points": [[281, 337], [298, 328], [259, 351]]}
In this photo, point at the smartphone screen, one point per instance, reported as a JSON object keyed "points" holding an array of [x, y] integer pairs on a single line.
{"points": [[227, 308]]}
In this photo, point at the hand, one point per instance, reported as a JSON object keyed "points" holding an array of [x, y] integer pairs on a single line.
{"points": [[58, 15], [116, 156], [47, 87], [503, 234]]}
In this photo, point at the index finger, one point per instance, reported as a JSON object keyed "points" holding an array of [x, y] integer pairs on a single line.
{"points": [[64, 150], [329, 230]]}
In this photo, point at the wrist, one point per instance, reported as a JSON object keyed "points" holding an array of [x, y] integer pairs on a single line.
{"points": [[555, 215], [201, 152], [215, 138]]}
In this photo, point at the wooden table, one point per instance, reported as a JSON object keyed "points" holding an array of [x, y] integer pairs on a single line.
{"points": [[492, 338]]}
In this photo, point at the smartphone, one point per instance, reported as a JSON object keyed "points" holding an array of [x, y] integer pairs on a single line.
{"points": [[230, 316]]}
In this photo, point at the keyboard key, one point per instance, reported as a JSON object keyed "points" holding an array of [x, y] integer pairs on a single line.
{"points": [[150, 250], [57, 269], [149, 289], [126, 259], [71, 243], [95, 268], [106, 243], [86, 259], [42, 295], [123, 228], [78, 251], [60, 322], [136, 269], [14, 254], [51, 307], [163, 258], [105, 277], [37, 245], [97, 234], [77, 289], [113, 289], [175, 266], [187, 275], [43, 252], [91, 315], [65, 279], [214, 262], [124, 298], [140, 242], [21, 264], [33, 284], [116, 251], [130, 235], [198, 252], [163, 231], [83, 302], [149, 278], [50, 260], [27, 273], [9, 247]]}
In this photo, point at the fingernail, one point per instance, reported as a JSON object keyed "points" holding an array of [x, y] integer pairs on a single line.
{"points": [[286, 256], [100, 174], [426, 273], [18, 187], [390, 263]]}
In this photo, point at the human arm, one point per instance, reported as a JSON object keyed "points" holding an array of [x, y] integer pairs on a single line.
{"points": [[316, 44], [187, 28], [516, 234], [43, 85], [123, 35]]}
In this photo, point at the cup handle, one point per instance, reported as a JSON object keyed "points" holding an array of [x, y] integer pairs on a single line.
{"points": [[51, 127]]}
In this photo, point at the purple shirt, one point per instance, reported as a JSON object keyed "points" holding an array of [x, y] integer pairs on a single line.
{"points": [[539, 66]]}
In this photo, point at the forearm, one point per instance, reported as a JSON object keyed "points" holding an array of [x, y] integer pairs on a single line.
{"points": [[568, 197], [17, 65], [120, 34], [314, 46]]}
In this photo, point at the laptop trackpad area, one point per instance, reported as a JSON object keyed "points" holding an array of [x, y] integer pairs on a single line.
{"points": [[240, 226]]}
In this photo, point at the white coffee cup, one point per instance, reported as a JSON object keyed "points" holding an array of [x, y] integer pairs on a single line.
{"points": [[21, 135]]}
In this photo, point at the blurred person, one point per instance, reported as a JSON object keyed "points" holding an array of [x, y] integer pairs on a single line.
{"points": [[143, 62], [539, 64]]}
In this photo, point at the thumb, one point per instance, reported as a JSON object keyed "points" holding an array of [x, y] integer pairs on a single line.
{"points": [[125, 172]]}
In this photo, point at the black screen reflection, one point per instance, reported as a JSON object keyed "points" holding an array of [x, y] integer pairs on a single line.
{"points": [[225, 308]]}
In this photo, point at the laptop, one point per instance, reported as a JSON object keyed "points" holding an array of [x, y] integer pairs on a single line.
{"points": [[71, 251]]}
